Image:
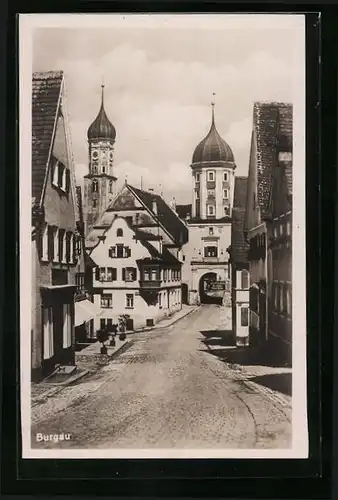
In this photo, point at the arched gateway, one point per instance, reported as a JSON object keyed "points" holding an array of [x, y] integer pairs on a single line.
{"points": [[208, 290]]}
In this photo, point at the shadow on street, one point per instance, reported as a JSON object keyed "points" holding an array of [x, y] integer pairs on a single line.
{"points": [[221, 343], [281, 382]]}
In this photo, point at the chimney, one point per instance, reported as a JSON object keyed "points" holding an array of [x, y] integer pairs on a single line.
{"points": [[154, 207]]}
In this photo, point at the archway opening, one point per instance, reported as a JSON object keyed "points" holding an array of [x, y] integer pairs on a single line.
{"points": [[208, 292]]}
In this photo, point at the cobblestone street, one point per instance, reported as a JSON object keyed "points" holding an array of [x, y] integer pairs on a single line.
{"points": [[167, 390]]}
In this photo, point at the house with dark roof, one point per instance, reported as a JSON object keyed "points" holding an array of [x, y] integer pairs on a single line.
{"points": [[54, 240], [269, 171], [239, 265], [136, 249]]}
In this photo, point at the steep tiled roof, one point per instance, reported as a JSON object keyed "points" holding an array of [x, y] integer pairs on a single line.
{"points": [[272, 123], [46, 88], [183, 211], [239, 247], [240, 192], [165, 215]]}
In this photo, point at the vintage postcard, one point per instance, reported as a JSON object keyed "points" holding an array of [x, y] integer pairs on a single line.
{"points": [[162, 230]]}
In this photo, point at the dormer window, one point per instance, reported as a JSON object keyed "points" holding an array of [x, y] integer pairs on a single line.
{"points": [[61, 176]]}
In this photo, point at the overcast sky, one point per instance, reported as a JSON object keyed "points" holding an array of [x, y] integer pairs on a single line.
{"points": [[159, 85]]}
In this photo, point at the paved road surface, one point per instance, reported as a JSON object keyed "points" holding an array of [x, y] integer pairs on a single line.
{"points": [[166, 391]]}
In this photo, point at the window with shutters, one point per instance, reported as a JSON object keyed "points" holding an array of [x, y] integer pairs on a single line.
{"points": [[107, 300], [245, 279], [61, 243], [244, 316], [56, 244], [281, 297], [71, 249], [129, 274], [129, 301], [48, 333], [50, 243], [44, 243], [67, 326]]}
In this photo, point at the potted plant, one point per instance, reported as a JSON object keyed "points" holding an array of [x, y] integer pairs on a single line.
{"points": [[122, 325], [102, 336], [113, 331]]}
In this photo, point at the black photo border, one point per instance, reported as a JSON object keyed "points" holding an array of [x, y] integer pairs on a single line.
{"points": [[280, 478]]}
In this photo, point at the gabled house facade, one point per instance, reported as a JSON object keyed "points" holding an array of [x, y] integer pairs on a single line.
{"points": [[54, 240], [271, 134], [136, 247], [240, 265]]}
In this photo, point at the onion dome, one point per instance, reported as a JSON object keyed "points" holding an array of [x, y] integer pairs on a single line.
{"points": [[213, 147], [101, 128]]}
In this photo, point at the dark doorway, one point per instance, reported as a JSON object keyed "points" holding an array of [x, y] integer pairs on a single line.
{"points": [[130, 324], [207, 295], [184, 293]]}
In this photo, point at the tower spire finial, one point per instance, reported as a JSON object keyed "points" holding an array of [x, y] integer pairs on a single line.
{"points": [[102, 90], [213, 109]]}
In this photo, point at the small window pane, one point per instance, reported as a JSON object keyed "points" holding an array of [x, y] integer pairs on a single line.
{"points": [[244, 316]]}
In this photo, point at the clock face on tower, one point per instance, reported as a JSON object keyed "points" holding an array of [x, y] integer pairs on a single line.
{"points": [[95, 154]]}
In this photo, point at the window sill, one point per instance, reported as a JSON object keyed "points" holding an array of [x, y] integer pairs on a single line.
{"points": [[106, 307], [129, 308]]}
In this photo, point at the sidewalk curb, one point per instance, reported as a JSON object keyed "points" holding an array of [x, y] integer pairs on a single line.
{"points": [[161, 327], [272, 394], [58, 387]]}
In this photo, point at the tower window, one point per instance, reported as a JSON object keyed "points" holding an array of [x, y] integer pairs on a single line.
{"points": [[225, 194], [210, 251], [211, 175], [198, 176], [211, 210], [95, 186], [103, 169], [110, 186], [94, 168], [119, 232], [197, 195], [211, 193], [211, 230], [94, 203], [225, 176]]}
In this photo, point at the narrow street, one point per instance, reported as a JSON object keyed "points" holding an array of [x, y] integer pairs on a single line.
{"points": [[166, 391]]}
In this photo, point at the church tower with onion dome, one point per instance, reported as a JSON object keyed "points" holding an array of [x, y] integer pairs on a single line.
{"points": [[100, 182], [213, 167], [206, 276]]}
